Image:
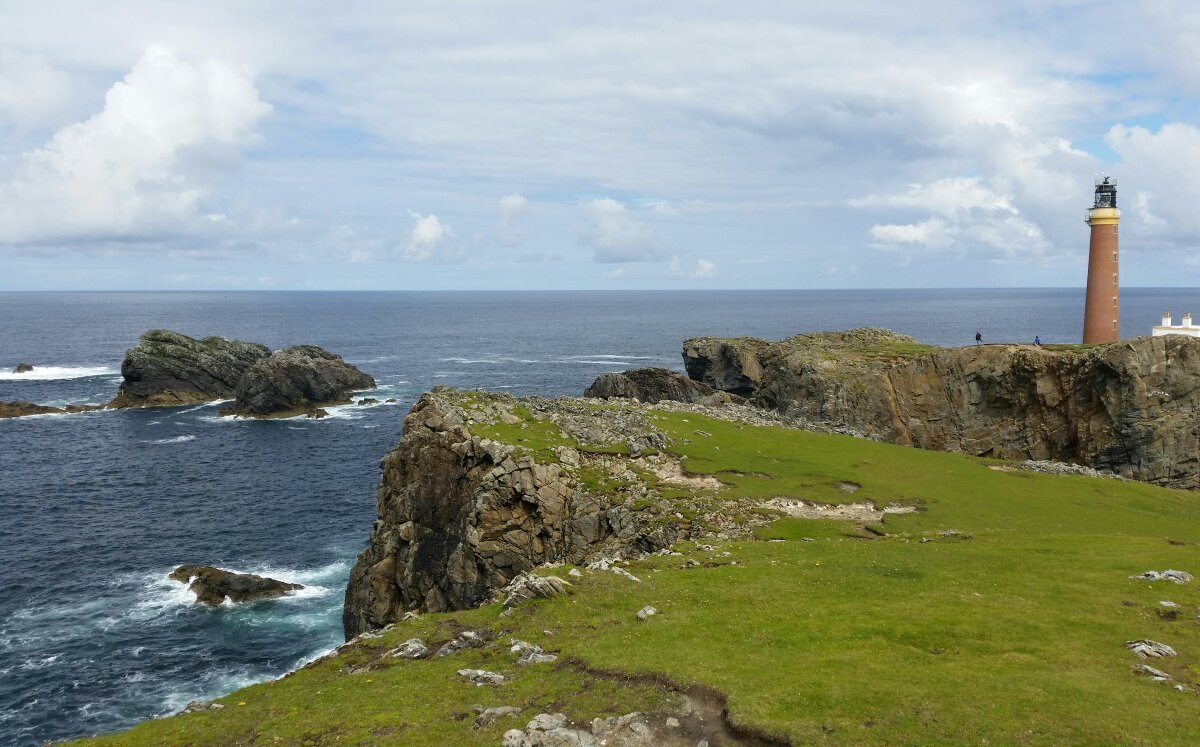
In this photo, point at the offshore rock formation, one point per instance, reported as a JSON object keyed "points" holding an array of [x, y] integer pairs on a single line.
{"points": [[166, 368], [1126, 407], [655, 385], [462, 515], [23, 368], [296, 380], [212, 585], [19, 408]]}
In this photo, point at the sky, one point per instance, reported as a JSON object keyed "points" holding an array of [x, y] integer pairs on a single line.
{"points": [[618, 145]]}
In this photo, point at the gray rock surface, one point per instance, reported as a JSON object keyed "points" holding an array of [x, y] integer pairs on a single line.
{"points": [[23, 368], [1179, 577], [482, 676], [213, 585], [652, 385], [413, 648], [1147, 649], [531, 586], [1126, 407], [167, 368], [296, 380]]}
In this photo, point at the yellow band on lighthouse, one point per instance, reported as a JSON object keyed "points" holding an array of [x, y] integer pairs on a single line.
{"points": [[1104, 216]]}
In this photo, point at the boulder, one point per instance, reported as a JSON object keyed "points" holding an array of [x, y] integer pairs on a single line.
{"points": [[212, 585], [22, 368], [296, 380], [167, 368], [649, 385]]}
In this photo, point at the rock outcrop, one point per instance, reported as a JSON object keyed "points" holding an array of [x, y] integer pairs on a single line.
{"points": [[655, 385], [166, 368], [296, 380], [1127, 407], [20, 408], [213, 585], [461, 515], [23, 368]]}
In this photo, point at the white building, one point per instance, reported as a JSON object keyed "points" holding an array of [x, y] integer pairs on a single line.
{"points": [[1183, 328]]}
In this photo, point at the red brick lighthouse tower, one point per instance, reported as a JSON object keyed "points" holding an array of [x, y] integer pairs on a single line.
{"points": [[1101, 311]]}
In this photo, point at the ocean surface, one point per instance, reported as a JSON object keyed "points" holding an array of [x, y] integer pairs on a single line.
{"points": [[97, 508]]}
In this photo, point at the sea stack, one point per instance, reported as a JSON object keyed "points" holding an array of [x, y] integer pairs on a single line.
{"points": [[1101, 310]]}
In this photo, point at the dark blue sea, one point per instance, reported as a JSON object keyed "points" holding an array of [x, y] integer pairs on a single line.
{"points": [[97, 508]]}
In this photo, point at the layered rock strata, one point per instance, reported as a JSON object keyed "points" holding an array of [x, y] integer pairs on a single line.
{"points": [[1127, 407], [461, 515]]}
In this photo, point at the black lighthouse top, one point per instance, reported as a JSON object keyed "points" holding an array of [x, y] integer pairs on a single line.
{"points": [[1106, 192]]}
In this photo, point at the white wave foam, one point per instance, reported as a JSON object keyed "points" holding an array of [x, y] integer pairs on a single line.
{"points": [[621, 357], [176, 440], [56, 373], [608, 362]]}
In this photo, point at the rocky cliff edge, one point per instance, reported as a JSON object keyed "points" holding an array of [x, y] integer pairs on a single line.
{"points": [[1127, 407], [484, 487]]}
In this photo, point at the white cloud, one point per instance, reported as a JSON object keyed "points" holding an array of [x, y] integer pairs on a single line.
{"points": [[704, 269], [427, 240], [32, 91], [141, 168], [615, 236], [947, 197], [1161, 168], [512, 207]]}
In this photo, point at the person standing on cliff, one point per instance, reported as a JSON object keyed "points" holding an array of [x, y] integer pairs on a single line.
{"points": [[978, 339], [1037, 341]]}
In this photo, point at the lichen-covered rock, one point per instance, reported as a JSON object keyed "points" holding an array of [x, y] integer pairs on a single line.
{"points": [[167, 368], [462, 516], [650, 385], [213, 585], [1126, 407]]}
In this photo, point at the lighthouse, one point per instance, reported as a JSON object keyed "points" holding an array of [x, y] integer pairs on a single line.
{"points": [[1101, 312]]}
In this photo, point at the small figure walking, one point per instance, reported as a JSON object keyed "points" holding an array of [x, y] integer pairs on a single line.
{"points": [[1037, 341], [978, 339]]}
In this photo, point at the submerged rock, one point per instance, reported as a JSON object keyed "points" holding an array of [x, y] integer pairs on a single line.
{"points": [[167, 368], [19, 408], [212, 585], [296, 380], [23, 368]]}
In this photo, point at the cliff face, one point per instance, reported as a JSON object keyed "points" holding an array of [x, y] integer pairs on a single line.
{"points": [[461, 515], [1128, 407]]}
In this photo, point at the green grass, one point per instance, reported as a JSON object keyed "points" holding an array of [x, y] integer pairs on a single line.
{"points": [[1014, 635]]}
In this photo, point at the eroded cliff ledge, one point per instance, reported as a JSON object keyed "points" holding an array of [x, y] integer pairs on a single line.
{"points": [[484, 487], [1128, 407]]}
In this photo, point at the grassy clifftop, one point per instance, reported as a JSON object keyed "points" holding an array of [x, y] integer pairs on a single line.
{"points": [[998, 611]]}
